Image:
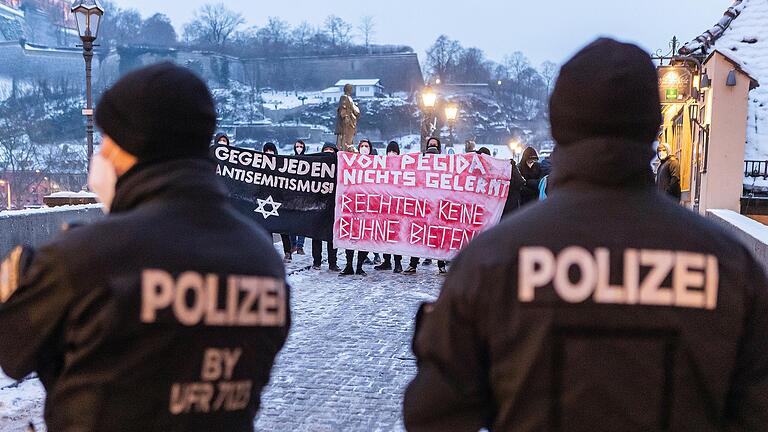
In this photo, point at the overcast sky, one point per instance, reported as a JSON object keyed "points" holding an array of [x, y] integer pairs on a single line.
{"points": [[542, 29]]}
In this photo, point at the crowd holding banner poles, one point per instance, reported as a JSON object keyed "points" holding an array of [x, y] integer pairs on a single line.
{"points": [[423, 205]]}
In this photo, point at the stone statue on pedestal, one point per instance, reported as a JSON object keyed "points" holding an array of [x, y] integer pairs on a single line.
{"points": [[347, 115]]}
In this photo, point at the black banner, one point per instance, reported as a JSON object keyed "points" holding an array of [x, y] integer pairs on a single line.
{"points": [[284, 194]]}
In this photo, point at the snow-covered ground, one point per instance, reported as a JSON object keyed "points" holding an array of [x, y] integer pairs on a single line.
{"points": [[344, 367], [289, 100]]}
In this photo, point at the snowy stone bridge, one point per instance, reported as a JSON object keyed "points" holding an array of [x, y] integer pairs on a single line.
{"points": [[344, 367]]}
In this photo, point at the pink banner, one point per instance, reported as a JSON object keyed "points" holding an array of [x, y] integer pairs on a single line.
{"points": [[428, 206]]}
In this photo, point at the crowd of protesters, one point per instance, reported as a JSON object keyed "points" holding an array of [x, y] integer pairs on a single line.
{"points": [[529, 183]]}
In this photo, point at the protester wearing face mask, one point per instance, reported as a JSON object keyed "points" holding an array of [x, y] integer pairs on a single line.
{"points": [[112, 315], [297, 242], [271, 148], [531, 172], [434, 146], [393, 149], [668, 174], [317, 245], [364, 147], [222, 139]]}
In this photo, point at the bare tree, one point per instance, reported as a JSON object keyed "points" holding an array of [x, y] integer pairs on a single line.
{"points": [[158, 30], [338, 30], [302, 36], [442, 57], [367, 30], [548, 71], [275, 35], [213, 24], [516, 63]]}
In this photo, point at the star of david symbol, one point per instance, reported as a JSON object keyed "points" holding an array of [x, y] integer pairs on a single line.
{"points": [[271, 202]]}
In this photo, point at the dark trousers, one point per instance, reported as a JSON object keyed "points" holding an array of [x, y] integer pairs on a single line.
{"points": [[415, 262], [317, 253], [286, 243], [361, 257], [388, 258]]}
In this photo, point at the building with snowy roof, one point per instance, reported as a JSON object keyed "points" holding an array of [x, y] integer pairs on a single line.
{"points": [[363, 88], [741, 35]]}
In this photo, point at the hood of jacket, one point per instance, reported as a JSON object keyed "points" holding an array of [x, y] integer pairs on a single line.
{"points": [[612, 162]]}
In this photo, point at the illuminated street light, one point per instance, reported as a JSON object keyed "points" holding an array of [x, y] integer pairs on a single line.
{"points": [[451, 112], [88, 15], [429, 120], [428, 97]]}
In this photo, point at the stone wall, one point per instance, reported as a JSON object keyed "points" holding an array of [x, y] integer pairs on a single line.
{"points": [[398, 72], [36, 227], [752, 234]]}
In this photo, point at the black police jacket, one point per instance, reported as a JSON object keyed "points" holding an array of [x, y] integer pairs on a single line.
{"points": [[165, 316], [607, 307]]}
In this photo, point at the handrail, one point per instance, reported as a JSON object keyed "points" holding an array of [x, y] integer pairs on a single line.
{"points": [[756, 169]]}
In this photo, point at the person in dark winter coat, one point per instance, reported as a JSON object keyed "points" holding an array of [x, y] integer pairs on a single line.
{"points": [[668, 174], [433, 147], [530, 169], [516, 184], [605, 307], [484, 150], [317, 245], [546, 166], [221, 139], [271, 148], [364, 148], [393, 149], [297, 242], [124, 320]]}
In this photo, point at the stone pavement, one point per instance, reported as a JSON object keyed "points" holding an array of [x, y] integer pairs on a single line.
{"points": [[348, 358], [344, 367]]}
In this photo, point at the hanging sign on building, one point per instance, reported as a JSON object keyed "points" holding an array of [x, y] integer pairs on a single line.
{"points": [[675, 84]]}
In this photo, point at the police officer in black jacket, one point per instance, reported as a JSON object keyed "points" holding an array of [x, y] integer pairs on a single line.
{"points": [[168, 314], [608, 307]]}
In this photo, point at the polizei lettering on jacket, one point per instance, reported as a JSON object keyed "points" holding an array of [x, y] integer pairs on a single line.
{"points": [[194, 298], [694, 277]]}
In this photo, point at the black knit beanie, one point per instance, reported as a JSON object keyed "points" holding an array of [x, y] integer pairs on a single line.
{"points": [[609, 89], [269, 146], [159, 112], [439, 144], [330, 145]]}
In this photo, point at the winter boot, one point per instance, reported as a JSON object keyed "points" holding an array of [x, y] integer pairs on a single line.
{"points": [[376, 259], [287, 258], [386, 265], [427, 262], [367, 261], [441, 269], [361, 272], [316, 267], [334, 268], [348, 271], [398, 268], [300, 251], [411, 270]]}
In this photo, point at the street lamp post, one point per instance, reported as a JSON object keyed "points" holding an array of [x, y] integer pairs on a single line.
{"points": [[429, 122], [88, 15], [451, 112]]}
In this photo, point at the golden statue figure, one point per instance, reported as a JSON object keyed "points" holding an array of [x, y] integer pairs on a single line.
{"points": [[347, 115]]}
